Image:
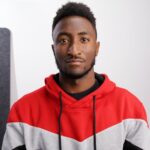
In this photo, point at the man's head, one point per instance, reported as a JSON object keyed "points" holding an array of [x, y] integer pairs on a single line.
{"points": [[74, 9], [75, 40]]}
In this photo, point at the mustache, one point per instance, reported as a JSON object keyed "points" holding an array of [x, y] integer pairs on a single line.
{"points": [[74, 59]]}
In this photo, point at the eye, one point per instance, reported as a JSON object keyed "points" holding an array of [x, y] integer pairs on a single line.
{"points": [[84, 39], [63, 41]]}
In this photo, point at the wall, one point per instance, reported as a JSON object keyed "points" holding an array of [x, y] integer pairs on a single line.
{"points": [[124, 33]]}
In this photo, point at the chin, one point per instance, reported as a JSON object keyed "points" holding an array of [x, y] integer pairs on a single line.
{"points": [[75, 74]]}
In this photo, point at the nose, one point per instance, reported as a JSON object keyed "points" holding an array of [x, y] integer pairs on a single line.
{"points": [[74, 49]]}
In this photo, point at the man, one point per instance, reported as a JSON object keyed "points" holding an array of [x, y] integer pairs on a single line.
{"points": [[77, 109]]}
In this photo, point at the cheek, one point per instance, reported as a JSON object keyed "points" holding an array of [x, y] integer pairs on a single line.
{"points": [[90, 52], [59, 53]]}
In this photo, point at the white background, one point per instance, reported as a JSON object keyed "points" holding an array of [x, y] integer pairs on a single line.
{"points": [[123, 30]]}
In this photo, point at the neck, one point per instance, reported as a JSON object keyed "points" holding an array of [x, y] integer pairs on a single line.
{"points": [[77, 85]]}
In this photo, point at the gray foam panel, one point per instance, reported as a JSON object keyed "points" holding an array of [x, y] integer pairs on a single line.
{"points": [[4, 79]]}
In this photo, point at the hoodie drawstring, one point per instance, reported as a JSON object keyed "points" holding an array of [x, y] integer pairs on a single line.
{"points": [[94, 122], [59, 121]]}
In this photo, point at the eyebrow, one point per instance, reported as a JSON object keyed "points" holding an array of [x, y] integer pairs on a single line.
{"points": [[83, 33], [69, 34], [63, 33]]}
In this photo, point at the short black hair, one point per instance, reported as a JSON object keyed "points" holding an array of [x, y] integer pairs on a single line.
{"points": [[74, 9]]}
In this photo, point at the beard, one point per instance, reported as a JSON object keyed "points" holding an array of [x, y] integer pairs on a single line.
{"points": [[71, 75]]}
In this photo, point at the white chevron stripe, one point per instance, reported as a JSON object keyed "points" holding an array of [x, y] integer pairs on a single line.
{"points": [[135, 131]]}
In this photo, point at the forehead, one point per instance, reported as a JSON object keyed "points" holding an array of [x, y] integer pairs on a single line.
{"points": [[74, 25]]}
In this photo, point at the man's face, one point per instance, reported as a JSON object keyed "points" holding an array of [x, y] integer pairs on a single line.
{"points": [[75, 46]]}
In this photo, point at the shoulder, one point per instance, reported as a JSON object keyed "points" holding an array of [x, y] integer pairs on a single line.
{"points": [[32, 97], [127, 96], [30, 100], [130, 104], [28, 106]]}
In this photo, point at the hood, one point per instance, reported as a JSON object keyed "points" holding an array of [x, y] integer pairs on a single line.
{"points": [[58, 96], [68, 101]]}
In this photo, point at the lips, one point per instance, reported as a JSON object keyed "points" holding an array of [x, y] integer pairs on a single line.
{"points": [[76, 61]]}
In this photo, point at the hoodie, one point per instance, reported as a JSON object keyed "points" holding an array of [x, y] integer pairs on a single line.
{"points": [[109, 118]]}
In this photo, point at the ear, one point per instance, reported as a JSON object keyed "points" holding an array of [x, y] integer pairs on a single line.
{"points": [[53, 48], [97, 47]]}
